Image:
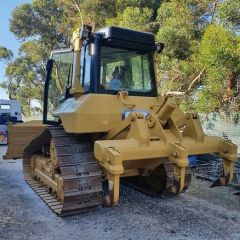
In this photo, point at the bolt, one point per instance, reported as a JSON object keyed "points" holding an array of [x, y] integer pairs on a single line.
{"points": [[108, 158], [174, 154], [225, 150]]}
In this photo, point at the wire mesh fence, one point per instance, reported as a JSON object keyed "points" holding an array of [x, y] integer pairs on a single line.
{"points": [[224, 125], [209, 167]]}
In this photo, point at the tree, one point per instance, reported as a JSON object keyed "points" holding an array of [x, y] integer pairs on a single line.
{"points": [[201, 37], [27, 74], [229, 14], [133, 18], [219, 56], [6, 55], [43, 20], [176, 31], [201, 57], [41, 27], [180, 32]]}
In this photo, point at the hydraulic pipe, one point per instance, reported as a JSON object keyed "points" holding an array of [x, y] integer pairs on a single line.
{"points": [[166, 110]]}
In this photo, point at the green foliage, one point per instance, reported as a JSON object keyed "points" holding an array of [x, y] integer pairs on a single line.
{"points": [[41, 26], [26, 75], [123, 4], [201, 37], [6, 55], [218, 48], [95, 12], [134, 18], [218, 55], [229, 13], [200, 58], [91, 12], [43, 20]]}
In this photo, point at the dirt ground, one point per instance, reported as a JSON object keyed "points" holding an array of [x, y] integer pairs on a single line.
{"points": [[200, 213]]}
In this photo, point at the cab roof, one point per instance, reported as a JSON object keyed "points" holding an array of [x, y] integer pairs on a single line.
{"points": [[126, 37]]}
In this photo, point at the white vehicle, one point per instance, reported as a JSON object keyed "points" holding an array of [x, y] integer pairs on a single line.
{"points": [[10, 111]]}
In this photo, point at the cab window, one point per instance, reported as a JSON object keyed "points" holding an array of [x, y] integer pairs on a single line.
{"points": [[60, 81], [85, 67], [123, 69]]}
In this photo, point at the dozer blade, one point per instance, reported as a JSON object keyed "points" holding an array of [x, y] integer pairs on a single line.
{"points": [[20, 135]]}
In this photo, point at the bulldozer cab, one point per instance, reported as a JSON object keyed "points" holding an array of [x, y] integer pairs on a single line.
{"points": [[106, 62]]}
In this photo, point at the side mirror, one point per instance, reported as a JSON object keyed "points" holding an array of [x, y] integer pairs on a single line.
{"points": [[159, 47]]}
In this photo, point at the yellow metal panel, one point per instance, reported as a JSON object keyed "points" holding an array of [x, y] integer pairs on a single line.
{"points": [[100, 112]]}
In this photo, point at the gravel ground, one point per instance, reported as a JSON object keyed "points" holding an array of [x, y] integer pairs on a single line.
{"points": [[200, 213]]}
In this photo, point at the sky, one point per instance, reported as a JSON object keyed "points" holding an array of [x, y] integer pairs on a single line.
{"points": [[7, 39]]}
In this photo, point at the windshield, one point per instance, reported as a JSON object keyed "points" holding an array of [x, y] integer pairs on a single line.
{"points": [[123, 69]]}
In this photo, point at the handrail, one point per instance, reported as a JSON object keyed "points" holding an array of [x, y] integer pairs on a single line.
{"points": [[122, 95]]}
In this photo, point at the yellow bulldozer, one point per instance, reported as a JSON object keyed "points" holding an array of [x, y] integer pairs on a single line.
{"points": [[103, 121]]}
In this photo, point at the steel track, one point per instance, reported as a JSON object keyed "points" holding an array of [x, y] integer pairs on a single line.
{"points": [[81, 173]]}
